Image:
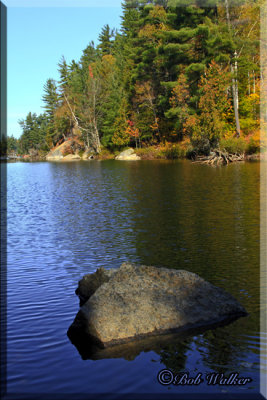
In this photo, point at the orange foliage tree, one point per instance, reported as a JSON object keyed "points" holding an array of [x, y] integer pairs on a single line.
{"points": [[215, 118], [215, 115]]}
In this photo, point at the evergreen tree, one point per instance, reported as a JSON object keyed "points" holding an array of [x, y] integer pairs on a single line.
{"points": [[179, 112], [34, 131], [159, 78], [12, 145], [64, 76], [89, 55], [51, 100], [50, 97], [121, 137], [105, 40]]}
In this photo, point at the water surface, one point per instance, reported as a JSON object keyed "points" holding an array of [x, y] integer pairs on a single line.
{"points": [[65, 220]]}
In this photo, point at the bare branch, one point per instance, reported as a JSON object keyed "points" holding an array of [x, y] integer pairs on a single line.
{"points": [[247, 37], [71, 110]]}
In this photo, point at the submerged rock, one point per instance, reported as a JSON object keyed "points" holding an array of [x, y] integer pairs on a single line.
{"points": [[134, 301], [128, 154], [172, 344]]}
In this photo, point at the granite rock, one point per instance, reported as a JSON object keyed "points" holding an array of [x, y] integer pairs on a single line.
{"points": [[127, 155], [134, 301], [71, 157], [91, 282]]}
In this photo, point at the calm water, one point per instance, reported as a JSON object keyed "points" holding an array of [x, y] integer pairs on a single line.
{"points": [[65, 220]]}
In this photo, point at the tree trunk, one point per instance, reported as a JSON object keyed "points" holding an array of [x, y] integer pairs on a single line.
{"points": [[254, 91], [96, 139], [87, 140], [98, 145], [234, 80], [235, 101], [150, 100], [236, 83]]}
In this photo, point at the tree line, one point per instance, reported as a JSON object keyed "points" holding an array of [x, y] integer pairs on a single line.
{"points": [[175, 72]]}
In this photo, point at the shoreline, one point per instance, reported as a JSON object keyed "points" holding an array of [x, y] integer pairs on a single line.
{"points": [[148, 157]]}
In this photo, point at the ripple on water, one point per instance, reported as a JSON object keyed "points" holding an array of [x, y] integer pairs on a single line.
{"points": [[68, 220]]}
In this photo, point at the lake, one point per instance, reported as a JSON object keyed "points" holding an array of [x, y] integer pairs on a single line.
{"points": [[68, 219]]}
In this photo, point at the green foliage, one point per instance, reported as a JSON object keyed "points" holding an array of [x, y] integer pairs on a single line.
{"points": [[233, 145], [3, 146], [249, 112], [190, 152], [12, 145], [106, 154], [34, 133], [64, 75], [215, 112], [50, 97], [109, 108], [150, 152], [174, 151], [89, 56], [179, 111], [105, 40], [120, 137], [253, 146], [167, 71]]}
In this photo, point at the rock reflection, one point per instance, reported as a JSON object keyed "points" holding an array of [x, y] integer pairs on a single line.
{"points": [[172, 348]]}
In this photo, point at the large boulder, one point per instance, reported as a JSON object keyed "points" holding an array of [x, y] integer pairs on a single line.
{"points": [[135, 301], [70, 147], [88, 155], [55, 155], [72, 157], [127, 155]]}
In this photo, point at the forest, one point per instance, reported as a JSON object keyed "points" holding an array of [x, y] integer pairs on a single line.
{"points": [[178, 78]]}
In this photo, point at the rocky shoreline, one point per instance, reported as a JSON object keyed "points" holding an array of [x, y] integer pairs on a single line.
{"points": [[72, 150], [75, 157]]}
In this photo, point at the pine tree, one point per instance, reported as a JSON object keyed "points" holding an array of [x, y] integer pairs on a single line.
{"points": [[50, 97], [105, 40], [64, 76], [34, 130], [121, 137], [180, 111], [12, 145], [157, 73], [89, 55], [51, 100]]}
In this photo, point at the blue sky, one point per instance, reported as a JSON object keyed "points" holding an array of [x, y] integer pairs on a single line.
{"points": [[38, 36]]}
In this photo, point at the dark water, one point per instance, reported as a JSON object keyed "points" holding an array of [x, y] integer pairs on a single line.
{"points": [[65, 220]]}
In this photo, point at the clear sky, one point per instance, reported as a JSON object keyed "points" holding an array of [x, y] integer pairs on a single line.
{"points": [[38, 36]]}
